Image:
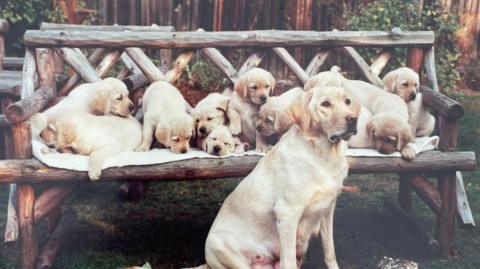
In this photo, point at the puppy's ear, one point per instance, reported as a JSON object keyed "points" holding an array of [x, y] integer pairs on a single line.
{"points": [[404, 137], [389, 81], [297, 111], [162, 133], [241, 86], [370, 130], [223, 105], [282, 122]]}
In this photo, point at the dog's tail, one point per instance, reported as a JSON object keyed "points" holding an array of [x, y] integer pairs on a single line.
{"points": [[203, 266]]}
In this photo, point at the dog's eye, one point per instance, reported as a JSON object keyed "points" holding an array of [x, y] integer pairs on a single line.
{"points": [[348, 101], [209, 118], [267, 86], [326, 104], [176, 139], [254, 87], [119, 98], [405, 84], [214, 138], [197, 120]]}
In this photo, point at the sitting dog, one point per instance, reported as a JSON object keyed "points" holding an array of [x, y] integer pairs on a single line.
{"points": [[290, 196], [99, 137], [221, 142], [388, 128], [251, 90], [106, 97], [165, 114], [273, 120], [404, 82], [208, 114]]}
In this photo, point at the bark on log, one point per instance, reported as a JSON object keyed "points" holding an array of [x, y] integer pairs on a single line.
{"points": [[107, 63], [80, 64], [381, 61], [29, 74], [146, 65], [363, 66], [32, 171], [291, 63], [120, 28], [26, 107], [317, 62], [29, 245], [430, 69], [442, 104], [415, 59], [51, 249], [261, 38], [45, 68], [252, 61], [426, 191], [49, 200]]}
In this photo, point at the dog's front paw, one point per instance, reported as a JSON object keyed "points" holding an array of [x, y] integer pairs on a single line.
{"points": [[242, 147], [94, 174], [143, 147], [263, 148], [235, 128], [408, 153]]}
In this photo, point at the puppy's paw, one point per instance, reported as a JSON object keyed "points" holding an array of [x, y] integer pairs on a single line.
{"points": [[408, 153], [263, 148], [143, 147], [94, 174], [242, 147], [235, 128], [45, 150]]}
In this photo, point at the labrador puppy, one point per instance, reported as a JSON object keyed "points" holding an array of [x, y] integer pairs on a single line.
{"points": [[165, 115], [99, 137], [106, 97], [251, 90], [208, 114], [290, 196], [404, 82], [273, 119], [221, 142], [388, 128]]}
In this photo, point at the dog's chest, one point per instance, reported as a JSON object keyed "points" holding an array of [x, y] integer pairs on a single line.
{"points": [[249, 116]]}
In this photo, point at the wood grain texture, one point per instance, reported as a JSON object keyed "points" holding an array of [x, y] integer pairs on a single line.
{"points": [[29, 245], [261, 38], [291, 63], [145, 64], [381, 61], [317, 62], [426, 191], [252, 61], [430, 70], [26, 107], [80, 64], [45, 67], [363, 66], [49, 200], [441, 104]]}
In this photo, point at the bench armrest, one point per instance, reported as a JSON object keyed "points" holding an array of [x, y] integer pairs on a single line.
{"points": [[441, 104]]}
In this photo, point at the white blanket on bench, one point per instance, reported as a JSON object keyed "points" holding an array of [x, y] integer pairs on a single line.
{"points": [[157, 156]]}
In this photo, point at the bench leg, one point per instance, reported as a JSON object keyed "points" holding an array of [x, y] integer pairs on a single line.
{"points": [[404, 193], [446, 216], [26, 200]]}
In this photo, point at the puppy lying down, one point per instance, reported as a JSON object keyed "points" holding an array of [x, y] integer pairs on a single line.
{"points": [[99, 137], [221, 142]]}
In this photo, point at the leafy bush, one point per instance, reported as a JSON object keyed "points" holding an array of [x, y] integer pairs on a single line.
{"points": [[386, 14]]}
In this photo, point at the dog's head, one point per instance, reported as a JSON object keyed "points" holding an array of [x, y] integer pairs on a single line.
{"points": [[403, 82], [220, 141], [58, 133], [326, 78], [326, 110], [255, 85], [388, 133], [113, 98], [272, 118], [176, 133], [209, 117]]}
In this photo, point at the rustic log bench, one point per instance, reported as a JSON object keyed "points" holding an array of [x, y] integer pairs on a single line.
{"points": [[39, 64]]}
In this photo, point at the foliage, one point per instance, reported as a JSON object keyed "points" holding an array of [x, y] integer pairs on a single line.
{"points": [[387, 14]]}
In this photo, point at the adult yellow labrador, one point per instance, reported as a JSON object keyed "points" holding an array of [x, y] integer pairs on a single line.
{"points": [[290, 196]]}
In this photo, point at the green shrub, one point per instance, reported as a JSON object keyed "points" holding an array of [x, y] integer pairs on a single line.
{"points": [[386, 14]]}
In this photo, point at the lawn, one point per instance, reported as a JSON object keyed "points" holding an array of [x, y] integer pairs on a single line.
{"points": [[169, 227]]}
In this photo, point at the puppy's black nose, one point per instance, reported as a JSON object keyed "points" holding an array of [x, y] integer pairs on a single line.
{"points": [[216, 149], [131, 107], [259, 128], [202, 130], [263, 99], [184, 150], [413, 96], [351, 120]]}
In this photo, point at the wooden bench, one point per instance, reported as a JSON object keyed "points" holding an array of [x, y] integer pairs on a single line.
{"points": [[39, 63]]}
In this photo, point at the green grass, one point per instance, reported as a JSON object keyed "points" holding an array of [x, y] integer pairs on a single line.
{"points": [[169, 227]]}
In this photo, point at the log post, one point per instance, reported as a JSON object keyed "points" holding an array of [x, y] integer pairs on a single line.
{"points": [[50, 199], [447, 188], [80, 64], [11, 227], [426, 191], [415, 59], [404, 193], [146, 65], [291, 63]]}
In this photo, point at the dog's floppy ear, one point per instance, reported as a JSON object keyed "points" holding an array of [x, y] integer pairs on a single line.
{"points": [[404, 136], [297, 111], [100, 104], [282, 122], [389, 81], [241, 86], [162, 134], [223, 105], [370, 130]]}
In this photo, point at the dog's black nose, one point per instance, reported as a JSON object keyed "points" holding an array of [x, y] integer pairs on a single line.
{"points": [[263, 99], [216, 149], [413, 96], [259, 128], [184, 150], [202, 130], [351, 120]]}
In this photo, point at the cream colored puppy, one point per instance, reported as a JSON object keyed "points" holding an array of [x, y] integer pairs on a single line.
{"points": [[99, 137], [164, 110], [209, 113], [404, 82], [273, 119], [221, 142], [252, 89], [290, 196], [362, 138], [106, 97]]}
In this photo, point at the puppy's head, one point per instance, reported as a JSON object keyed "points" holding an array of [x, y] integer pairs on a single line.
{"points": [[209, 117], [176, 133], [220, 141], [388, 133], [113, 98], [272, 120], [255, 85], [326, 110], [402, 82], [58, 133], [327, 78]]}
